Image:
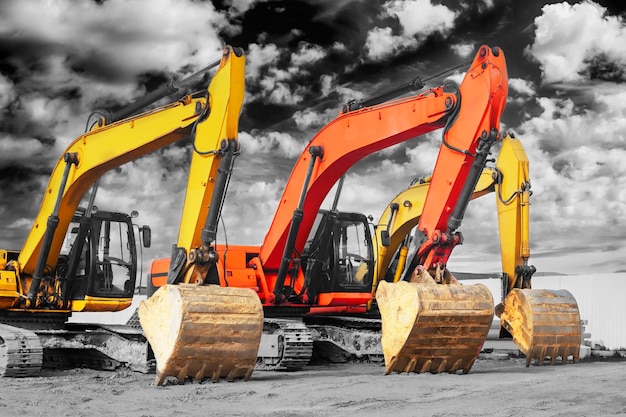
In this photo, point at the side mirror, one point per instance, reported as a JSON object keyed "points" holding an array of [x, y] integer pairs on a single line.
{"points": [[146, 236]]}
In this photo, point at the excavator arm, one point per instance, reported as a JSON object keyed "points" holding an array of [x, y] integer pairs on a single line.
{"points": [[466, 147], [215, 331], [513, 206], [209, 172], [543, 323]]}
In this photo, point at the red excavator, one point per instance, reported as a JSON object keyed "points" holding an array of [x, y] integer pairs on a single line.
{"points": [[315, 269]]}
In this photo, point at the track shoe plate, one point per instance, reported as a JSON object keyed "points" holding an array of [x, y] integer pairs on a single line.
{"points": [[21, 354]]}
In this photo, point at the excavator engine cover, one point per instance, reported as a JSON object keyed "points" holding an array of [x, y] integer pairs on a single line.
{"points": [[203, 331], [543, 323], [431, 327]]}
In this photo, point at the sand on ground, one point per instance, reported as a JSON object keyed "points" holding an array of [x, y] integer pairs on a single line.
{"points": [[492, 388]]}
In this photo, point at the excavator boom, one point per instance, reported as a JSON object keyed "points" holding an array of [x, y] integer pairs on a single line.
{"points": [[339, 145]]}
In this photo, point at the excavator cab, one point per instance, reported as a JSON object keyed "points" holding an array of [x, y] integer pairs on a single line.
{"points": [[100, 253], [353, 249], [338, 256]]}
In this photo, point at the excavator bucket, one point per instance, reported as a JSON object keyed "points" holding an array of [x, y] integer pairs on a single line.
{"points": [[431, 327], [543, 323], [203, 331]]}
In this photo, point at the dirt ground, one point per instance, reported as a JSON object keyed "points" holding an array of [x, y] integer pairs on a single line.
{"points": [[494, 387]]}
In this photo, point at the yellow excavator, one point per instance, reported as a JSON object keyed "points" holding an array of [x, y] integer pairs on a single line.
{"points": [[313, 272], [78, 259]]}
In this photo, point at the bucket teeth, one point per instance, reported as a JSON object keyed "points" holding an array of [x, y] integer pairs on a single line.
{"points": [[203, 331], [433, 328], [545, 324]]}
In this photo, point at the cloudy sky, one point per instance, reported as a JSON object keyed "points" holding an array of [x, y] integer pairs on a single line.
{"points": [[60, 60]]}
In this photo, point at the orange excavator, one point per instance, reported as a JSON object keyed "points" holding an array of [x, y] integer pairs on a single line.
{"points": [[313, 268], [80, 259]]}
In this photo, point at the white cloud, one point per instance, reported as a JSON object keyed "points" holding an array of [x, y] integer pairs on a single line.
{"points": [[424, 155], [381, 43], [456, 77], [310, 119], [13, 150], [562, 126], [280, 92], [576, 167], [463, 50], [418, 20], [278, 144], [20, 223], [327, 82], [568, 35], [277, 86], [114, 40], [307, 54], [592, 163], [488, 4], [421, 18], [250, 209], [242, 6], [362, 193], [523, 87], [329, 85], [258, 57], [154, 185], [139, 38], [338, 46]]}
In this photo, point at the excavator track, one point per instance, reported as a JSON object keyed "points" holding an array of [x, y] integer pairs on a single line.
{"points": [[341, 339], [433, 328], [203, 331], [45, 340], [544, 324], [286, 345], [21, 354]]}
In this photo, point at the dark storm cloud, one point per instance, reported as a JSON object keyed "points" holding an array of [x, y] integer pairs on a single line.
{"points": [[346, 34], [602, 67]]}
